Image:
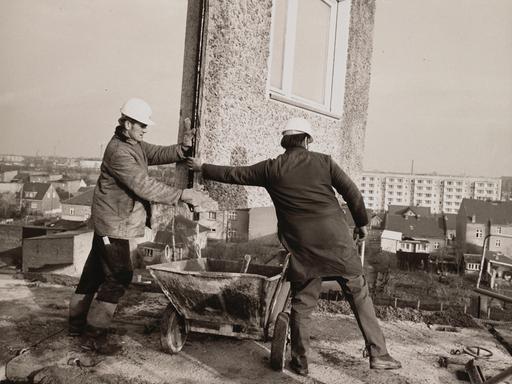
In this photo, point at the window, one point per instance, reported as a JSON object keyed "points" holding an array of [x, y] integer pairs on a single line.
{"points": [[473, 266], [232, 215], [33, 205], [498, 243], [479, 233], [436, 244], [231, 233], [212, 215], [308, 57], [498, 229], [71, 211]]}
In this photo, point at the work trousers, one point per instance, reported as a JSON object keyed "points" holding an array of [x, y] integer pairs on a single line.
{"points": [[108, 270], [304, 300]]}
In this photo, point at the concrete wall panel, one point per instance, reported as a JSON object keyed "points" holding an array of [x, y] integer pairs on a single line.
{"points": [[241, 125]]}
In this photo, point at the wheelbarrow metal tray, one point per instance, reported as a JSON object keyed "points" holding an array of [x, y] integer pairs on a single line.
{"points": [[215, 298]]}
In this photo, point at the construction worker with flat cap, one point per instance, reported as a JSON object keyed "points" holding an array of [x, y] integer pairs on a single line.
{"points": [[120, 210], [313, 228]]}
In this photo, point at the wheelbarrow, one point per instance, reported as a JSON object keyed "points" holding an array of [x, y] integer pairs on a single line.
{"points": [[212, 296]]}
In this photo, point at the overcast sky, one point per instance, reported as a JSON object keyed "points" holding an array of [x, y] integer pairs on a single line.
{"points": [[441, 90], [441, 87]]}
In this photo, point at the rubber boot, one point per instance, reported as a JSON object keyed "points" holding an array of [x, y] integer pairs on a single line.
{"points": [[79, 305], [98, 321]]}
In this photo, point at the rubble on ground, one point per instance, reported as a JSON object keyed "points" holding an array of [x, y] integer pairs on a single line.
{"points": [[450, 317]]}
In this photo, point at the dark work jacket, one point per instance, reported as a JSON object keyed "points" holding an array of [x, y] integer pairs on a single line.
{"points": [[124, 189], [311, 223]]}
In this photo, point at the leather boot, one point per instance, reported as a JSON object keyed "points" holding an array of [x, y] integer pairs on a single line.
{"points": [[96, 337], [78, 309], [384, 362]]}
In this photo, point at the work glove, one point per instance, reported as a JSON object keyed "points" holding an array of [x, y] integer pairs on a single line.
{"points": [[188, 135], [194, 163], [360, 234]]}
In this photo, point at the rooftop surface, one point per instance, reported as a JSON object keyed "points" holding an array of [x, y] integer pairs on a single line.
{"points": [[29, 312]]}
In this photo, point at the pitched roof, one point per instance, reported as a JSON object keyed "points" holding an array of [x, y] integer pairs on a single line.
{"points": [[403, 209], [498, 212], [81, 199], [496, 257], [451, 221], [416, 227], [40, 188]]}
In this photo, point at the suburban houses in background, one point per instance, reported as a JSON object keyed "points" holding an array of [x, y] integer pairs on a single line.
{"points": [[432, 223]]}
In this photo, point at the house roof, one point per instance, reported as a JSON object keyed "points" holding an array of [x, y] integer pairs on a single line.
{"points": [[40, 188], [450, 221], [190, 225], [498, 212], [392, 235], [416, 227], [403, 209], [58, 224], [499, 258], [472, 258], [84, 198]]}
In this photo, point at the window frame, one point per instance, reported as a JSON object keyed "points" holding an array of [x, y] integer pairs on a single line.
{"points": [[336, 68]]}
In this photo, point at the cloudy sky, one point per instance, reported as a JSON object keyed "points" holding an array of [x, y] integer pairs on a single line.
{"points": [[441, 91]]}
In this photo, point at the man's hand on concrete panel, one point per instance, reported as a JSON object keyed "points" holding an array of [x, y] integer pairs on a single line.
{"points": [[188, 134], [194, 163]]}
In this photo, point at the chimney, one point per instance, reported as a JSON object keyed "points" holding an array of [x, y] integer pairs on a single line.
{"points": [[473, 218]]}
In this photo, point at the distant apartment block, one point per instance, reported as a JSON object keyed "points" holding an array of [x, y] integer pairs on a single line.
{"points": [[12, 159], [90, 163], [440, 193]]}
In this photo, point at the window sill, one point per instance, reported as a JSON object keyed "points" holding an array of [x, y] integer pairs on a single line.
{"points": [[302, 105]]}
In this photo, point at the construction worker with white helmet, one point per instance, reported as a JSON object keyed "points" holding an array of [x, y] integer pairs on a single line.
{"points": [[121, 208], [313, 228]]}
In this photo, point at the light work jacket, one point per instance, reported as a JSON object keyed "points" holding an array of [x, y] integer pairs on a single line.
{"points": [[124, 191]]}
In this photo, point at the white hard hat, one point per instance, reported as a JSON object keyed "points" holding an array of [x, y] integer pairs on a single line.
{"points": [[297, 125], [138, 110]]}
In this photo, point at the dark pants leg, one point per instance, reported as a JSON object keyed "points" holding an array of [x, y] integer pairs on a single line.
{"points": [[304, 299], [108, 272], [357, 294]]}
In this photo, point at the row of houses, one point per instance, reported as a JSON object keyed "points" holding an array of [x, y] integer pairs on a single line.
{"points": [[43, 194], [61, 162], [421, 239]]}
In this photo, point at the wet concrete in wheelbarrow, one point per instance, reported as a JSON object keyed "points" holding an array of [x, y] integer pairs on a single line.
{"points": [[336, 349]]}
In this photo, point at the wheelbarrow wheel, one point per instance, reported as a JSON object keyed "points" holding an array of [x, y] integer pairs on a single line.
{"points": [[173, 330], [279, 341]]}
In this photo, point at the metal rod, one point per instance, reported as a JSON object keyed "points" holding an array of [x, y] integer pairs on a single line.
{"points": [[499, 377], [495, 295]]}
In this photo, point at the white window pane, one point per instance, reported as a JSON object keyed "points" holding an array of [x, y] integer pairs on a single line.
{"points": [[276, 71], [311, 50]]}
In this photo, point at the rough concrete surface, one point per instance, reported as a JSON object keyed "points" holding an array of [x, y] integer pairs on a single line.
{"points": [[31, 311], [241, 125]]}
